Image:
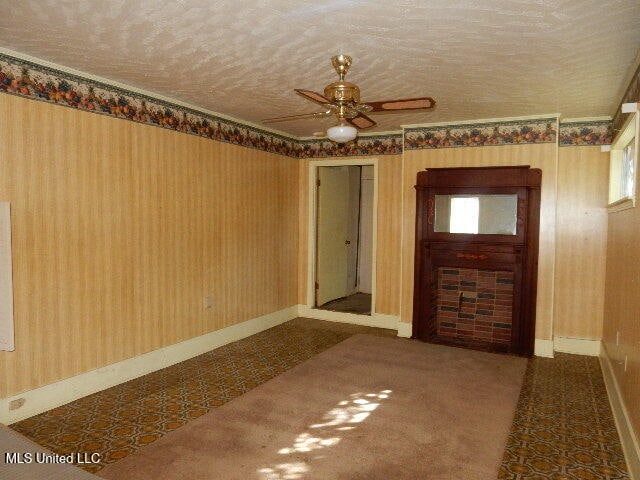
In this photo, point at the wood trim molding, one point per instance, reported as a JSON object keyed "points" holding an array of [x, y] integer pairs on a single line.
{"points": [[578, 346], [312, 218], [628, 437], [379, 320], [620, 205], [404, 329], [543, 348]]}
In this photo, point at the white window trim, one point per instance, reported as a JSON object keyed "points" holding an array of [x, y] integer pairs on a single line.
{"points": [[630, 129]]}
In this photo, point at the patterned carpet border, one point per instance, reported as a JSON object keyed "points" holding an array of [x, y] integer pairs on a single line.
{"points": [[563, 427]]}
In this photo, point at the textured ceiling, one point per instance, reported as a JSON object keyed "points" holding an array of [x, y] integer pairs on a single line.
{"points": [[476, 58]]}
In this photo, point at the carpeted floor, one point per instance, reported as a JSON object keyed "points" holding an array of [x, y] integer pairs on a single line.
{"points": [[351, 412], [359, 303], [563, 427], [120, 420]]}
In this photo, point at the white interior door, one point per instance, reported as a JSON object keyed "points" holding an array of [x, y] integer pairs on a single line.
{"points": [[332, 234]]}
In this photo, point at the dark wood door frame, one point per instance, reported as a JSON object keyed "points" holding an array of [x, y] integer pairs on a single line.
{"points": [[514, 253]]}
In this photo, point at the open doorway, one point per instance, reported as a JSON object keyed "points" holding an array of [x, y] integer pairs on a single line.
{"points": [[344, 238]]}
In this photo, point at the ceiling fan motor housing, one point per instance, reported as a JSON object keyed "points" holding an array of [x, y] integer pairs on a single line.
{"points": [[342, 92]]}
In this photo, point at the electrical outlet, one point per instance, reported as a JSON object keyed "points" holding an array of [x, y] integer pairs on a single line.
{"points": [[208, 302]]}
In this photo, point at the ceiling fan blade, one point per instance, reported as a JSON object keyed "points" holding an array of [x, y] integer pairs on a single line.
{"points": [[313, 96], [297, 117], [361, 121], [421, 103]]}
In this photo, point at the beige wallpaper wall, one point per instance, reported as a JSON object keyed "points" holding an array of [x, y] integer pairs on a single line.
{"points": [[121, 229], [622, 305], [581, 242]]}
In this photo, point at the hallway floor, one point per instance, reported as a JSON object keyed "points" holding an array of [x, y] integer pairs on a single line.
{"points": [[563, 427], [359, 303]]}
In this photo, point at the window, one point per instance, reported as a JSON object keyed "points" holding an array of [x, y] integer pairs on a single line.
{"points": [[628, 175], [623, 167]]}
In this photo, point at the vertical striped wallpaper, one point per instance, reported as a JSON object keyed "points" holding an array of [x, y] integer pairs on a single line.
{"points": [[120, 230]]}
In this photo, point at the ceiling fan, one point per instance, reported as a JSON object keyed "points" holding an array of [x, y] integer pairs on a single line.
{"points": [[342, 99]]}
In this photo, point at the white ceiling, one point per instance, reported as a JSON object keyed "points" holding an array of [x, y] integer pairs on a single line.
{"points": [[476, 58]]}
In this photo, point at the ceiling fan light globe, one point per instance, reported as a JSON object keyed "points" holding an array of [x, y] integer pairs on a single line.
{"points": [[342, 133]]}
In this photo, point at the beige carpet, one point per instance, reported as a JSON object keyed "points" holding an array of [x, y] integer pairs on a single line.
{"points": [[368, 408]]}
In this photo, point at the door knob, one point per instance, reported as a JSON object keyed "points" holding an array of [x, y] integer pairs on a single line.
{"points": [[347, 242]]}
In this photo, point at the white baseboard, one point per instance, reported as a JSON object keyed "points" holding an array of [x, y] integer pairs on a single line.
{"points": [[579, 346], [376, 320], [543, 348], [64, 391], [628, 437], [405, 330]]}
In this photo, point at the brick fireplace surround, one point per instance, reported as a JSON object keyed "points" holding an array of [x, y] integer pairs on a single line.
{"points": [[474, 305]]}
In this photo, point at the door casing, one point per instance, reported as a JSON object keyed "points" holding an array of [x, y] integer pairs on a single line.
{"points": [[312, 226]]}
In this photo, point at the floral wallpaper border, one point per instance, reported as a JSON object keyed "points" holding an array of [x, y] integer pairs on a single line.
{"points": [[31, 80], [512, 132], [593, 132], [27, 79], [388, 144]]}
